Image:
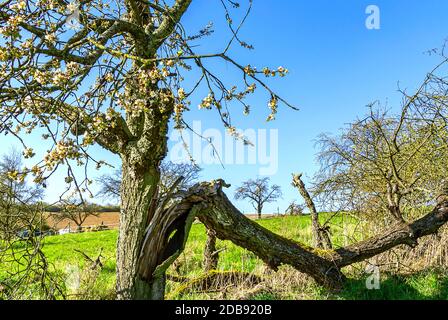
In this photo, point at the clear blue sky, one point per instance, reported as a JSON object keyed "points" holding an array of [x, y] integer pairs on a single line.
{"points": [[337, 66]]}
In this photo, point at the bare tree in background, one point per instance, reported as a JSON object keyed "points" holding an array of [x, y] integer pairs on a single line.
{"points": [[15, 192], [110, 185], [258, 192], [25, 271], [389, 168], [76, 211], [170, 174], [294, 209]]}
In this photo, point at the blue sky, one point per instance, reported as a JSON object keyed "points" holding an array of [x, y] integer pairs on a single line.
{"points": [[337, 66]]}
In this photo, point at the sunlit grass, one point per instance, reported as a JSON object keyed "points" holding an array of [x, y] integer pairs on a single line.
{"points": [[61, 252]]}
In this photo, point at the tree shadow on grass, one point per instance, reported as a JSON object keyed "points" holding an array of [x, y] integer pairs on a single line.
{"points": [[426, 285]]}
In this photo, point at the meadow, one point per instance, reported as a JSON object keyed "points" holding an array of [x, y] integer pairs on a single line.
{"points": [[64, 253]]}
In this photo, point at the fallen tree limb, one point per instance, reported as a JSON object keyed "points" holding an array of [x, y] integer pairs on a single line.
{"points": [[208, 202], [229, 223], [400, 234], [178, 279], [216, 280]]}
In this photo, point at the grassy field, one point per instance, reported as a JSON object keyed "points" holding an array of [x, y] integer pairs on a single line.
{"points": [[61, 251]]}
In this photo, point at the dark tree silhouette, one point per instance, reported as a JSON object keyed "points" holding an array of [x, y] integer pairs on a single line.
{"points": [[183, 175], [258, 192]]}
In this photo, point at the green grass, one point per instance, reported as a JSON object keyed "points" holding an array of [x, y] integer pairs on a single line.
{"points": [[425, 285], [60, 251]]}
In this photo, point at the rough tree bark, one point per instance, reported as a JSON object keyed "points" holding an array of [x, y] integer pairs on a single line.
{"points": [[259, 211], [321, 235], [141, 225], [398, 234], [141, 159], [211, 255], [137, 192], [207, 202]]}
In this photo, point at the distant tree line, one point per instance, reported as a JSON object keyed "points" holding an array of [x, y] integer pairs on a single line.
{"points": [[54, 208]]}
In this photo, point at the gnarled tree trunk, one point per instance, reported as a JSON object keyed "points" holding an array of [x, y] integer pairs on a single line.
{"points": [[259, 211], [211, 255], [141, 159], [321, 235], [138, 193]]}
